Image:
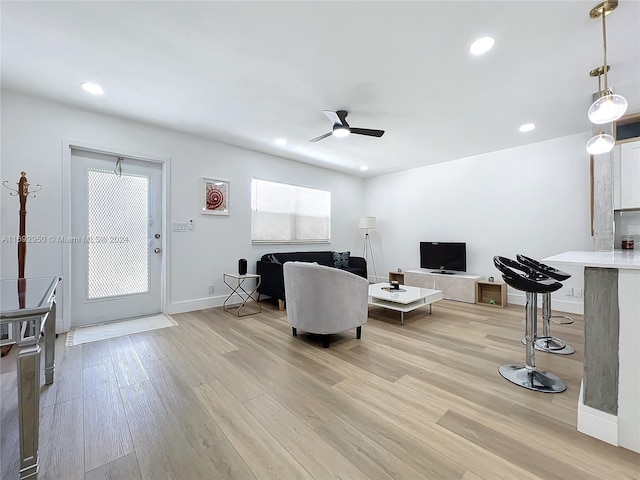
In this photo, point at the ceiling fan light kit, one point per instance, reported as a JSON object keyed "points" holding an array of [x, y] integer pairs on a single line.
{"points": [[609, 107], [342, 129]]}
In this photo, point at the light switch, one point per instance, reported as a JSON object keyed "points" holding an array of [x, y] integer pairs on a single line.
{"points": [[179, 227]]}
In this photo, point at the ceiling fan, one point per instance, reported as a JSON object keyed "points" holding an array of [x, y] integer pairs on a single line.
{"points": [[341, 128]]}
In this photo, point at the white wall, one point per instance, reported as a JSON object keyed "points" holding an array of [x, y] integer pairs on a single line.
{"points": [[33, 131], [532, 200]]}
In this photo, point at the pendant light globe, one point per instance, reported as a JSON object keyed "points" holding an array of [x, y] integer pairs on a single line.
{"points": [[601, 143], [607, 109]]}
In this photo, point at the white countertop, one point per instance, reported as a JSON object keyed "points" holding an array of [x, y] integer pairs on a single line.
{"points": [[621, 259]]}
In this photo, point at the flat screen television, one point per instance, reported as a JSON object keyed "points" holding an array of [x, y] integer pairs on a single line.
{"points": [[444, 257]]}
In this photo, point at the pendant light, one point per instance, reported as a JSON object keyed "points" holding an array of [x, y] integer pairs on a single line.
{"points": [[601, 143], [609, 107]]}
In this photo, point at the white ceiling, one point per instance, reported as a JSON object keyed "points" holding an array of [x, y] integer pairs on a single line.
{"points": [[247, 73]]}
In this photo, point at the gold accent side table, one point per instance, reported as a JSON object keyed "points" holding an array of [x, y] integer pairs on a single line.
{"points": [[235, 282]]}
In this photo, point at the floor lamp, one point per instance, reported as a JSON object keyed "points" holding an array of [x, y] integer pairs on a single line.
{"points": [[367, 223]]}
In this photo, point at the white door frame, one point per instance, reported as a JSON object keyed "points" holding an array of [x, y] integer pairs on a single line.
{"points": [[67, 145]]}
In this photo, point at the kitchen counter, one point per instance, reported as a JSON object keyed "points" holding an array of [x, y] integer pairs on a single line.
{"points": [[610, 391], [627, 259]]}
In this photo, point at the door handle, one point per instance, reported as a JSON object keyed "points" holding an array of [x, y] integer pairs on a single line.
{"points": [[157, 250]]}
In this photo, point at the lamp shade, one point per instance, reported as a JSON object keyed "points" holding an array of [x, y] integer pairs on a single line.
{"points": [[607, 108], [367, 222], [601, 143]]}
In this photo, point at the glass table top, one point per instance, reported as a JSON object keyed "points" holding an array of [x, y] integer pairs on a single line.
{"points": [[26, 296]]}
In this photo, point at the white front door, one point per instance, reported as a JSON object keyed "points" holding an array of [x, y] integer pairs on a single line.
{"points": [[116, 242]]}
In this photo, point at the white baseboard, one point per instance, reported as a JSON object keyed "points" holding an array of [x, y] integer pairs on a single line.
{"points": [[197, 304], [513, 298], [596, 423], [175, 307], [558, 305]]}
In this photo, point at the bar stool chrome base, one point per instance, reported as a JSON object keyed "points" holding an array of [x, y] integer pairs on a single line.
{"points": [[537, 380], [547, 342], [524, 278], [551, 345], [557, 322]]}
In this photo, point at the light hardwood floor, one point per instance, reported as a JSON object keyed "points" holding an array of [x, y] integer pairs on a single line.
{"points": [[222, 397]]}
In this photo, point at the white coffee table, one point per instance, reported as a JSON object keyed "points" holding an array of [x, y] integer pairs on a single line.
{"points": [[406, 300]]}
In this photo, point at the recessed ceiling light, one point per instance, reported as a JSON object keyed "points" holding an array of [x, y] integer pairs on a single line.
{"points": [[527, 127], [281, 141], [482, 45], [92, 88], [364, 168]]}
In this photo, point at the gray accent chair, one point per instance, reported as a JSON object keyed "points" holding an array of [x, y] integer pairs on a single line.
{"points": [[324, 300]]}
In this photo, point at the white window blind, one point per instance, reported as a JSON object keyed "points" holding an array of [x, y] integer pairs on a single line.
{"points": [[282, 213]]}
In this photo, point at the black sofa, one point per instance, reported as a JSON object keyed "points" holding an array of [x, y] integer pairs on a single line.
{"points": [[269, 267]]}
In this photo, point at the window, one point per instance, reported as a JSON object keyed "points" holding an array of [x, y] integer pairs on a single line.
{"points": [[118, 207], [282, 213]]}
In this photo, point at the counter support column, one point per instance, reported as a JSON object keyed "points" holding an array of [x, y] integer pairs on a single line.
{"points": [[601, 333]]}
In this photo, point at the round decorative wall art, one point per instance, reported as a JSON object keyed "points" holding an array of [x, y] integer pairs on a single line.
{"points": [[214, 196]]}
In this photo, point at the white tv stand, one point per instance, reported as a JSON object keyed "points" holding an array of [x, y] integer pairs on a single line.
{"points": [[460, 287]]}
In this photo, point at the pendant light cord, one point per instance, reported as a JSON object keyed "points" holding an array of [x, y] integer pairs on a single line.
{"points": [[604, 42]]}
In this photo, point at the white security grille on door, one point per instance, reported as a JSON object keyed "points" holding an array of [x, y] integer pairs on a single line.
{"points": [[118, 237]]}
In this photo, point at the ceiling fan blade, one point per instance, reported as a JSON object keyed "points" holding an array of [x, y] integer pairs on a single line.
{"points": [[337, 118], [321, 137], [367, 131], [342, 115]]}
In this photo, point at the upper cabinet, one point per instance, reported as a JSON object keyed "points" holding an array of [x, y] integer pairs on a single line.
{"points": [[630, 175], [627, 176], [626, 166]]}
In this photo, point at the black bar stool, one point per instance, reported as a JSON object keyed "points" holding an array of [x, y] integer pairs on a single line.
{"points": [[548, 343], [526, 279]]}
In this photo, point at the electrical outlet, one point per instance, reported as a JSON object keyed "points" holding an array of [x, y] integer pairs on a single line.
{"points": [[210, 289], [568, 292], [577, 292]]}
